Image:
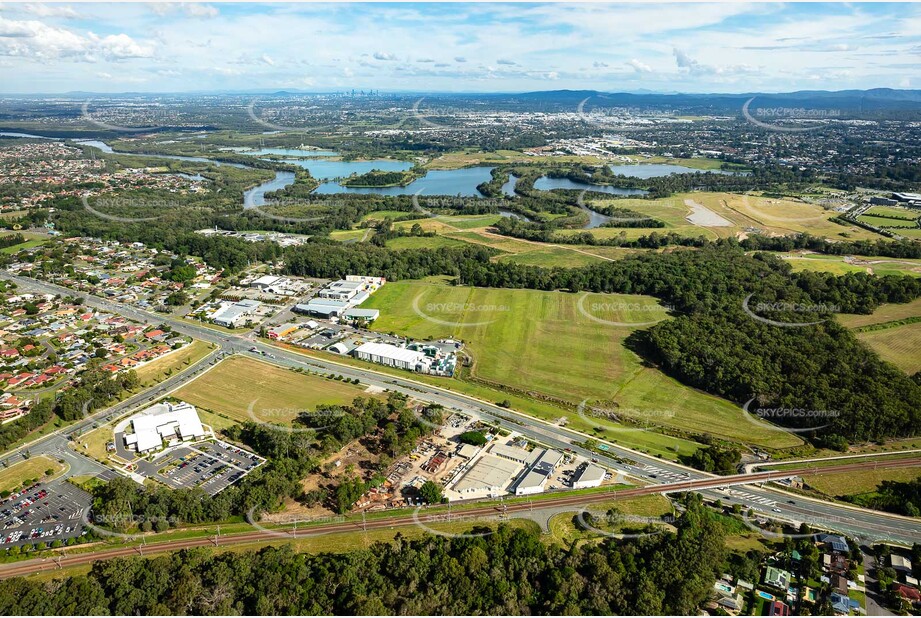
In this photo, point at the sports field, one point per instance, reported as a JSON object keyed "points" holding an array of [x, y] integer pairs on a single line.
{"points": [[274, 394], [566, 346]]}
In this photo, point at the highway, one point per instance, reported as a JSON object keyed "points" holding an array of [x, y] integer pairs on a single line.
{"points": [[576, 502], [861, 524]]}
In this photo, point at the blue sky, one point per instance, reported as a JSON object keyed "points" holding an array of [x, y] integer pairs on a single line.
{"points": [[425, 47]]}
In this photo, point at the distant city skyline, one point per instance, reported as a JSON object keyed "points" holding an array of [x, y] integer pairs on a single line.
{"points": [[426, 47]]}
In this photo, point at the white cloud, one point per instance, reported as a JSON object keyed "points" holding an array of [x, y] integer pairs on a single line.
{"points": [[38, 41], [49, 10], [506, 62], [192, 9], [386, 56], [640, 67]]}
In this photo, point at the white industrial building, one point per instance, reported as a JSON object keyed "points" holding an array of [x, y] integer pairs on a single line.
{"points": [[323, 307], [265, 282], [341, 290], [535, 480], [231, 315], [588, 475], [392, 356], [164, 422], [488, 474], [518, 455]]}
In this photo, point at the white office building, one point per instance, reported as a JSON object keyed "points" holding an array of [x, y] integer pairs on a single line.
{"points": [[164, 422]]}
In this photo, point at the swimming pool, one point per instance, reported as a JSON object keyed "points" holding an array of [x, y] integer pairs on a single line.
{"points": [[765, 595]]}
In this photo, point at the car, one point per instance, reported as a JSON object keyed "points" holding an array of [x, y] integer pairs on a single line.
{"points": [[777, 510], [791, 501]]}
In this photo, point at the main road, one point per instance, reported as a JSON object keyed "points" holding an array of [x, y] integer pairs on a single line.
{"points": [[419, 517], [862, 524]]}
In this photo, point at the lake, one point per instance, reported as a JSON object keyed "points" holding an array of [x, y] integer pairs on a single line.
{"points": [[437, 182], [325, 170]]}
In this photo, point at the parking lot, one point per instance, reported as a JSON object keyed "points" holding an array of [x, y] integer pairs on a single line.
{"points": [[212, 466], [43, 513]]}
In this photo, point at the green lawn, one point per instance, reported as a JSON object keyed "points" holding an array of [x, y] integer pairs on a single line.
{"points": [[899, 345], [888, 312], [858, 482], [276, 394], [886, 222], [566, 346], [159, 369], [423, 242], [23, 245], [33, 468], [548, 257]]}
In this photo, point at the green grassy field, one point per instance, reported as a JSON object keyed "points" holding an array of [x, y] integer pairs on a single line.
{"points": [[899, 345], [157, 370], [548, 257], [33, 468], [858, 482], [889, 312], [566, 346], [893, 211], [275, 393], [885, 221], [23, 245], [841, 265], [423, 242], [449, 222], [896, 343]]}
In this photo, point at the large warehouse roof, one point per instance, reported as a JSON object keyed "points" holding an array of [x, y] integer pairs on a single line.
{"points": [[488, 472], [386, 350]]}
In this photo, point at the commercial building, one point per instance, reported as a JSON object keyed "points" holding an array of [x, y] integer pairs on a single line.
{"points": [[231, 315], [513, 453], [391, 355], [588, 475], [265, 282], [323, 307], [534, 481], [488, 474], [341, 290], [164, 422], [365, 315]]}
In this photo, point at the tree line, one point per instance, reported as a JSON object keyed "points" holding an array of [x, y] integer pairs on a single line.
{"points": [[508, 572]]}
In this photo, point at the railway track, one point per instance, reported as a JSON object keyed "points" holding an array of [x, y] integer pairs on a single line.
{"points": [[62, 561]]}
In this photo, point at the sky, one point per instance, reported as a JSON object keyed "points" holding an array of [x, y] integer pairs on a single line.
{"points": [[435, 47]]}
